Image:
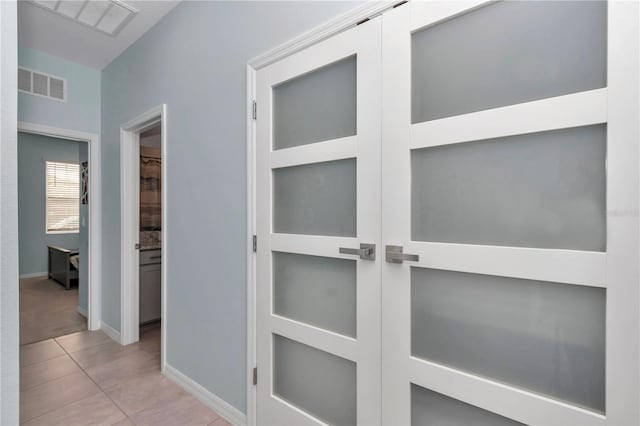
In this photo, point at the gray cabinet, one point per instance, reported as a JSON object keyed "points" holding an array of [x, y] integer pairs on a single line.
{"points": [[150, 286]]}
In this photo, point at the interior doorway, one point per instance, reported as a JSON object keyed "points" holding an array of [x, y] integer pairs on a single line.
{"points": [[143, 241], [59, 227]]}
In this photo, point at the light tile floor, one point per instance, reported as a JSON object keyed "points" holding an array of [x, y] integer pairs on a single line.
{"points": [[87, 378], [47, 310]]}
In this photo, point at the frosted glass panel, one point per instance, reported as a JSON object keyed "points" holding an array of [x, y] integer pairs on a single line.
{"points": [[541, 336], [507, 53], [429, 408], [319, 291], [317, 382], [316, 199], [318, 106], [545, 190]]}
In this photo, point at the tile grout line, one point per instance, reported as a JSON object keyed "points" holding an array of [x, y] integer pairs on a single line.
{"points": [[57, 408], [96, 383], [81, 399], [55, 378]]}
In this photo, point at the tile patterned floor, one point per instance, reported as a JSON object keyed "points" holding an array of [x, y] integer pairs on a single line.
{"points": [[47, 310], [87, 378]]}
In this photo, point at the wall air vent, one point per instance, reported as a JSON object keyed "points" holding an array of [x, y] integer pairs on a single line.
{"points": [[41, 84], [106, 16]]}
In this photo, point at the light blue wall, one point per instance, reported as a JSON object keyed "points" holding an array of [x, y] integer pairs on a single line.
{"points": [[194, 61], [81, 111], [33, 151]]}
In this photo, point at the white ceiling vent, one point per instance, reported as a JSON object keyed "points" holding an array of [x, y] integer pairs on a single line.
{"points": [[41, 84], [106, 16]]}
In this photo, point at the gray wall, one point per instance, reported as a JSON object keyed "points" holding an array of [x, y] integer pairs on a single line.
{"points": [[33, 152], [194, 61], [8, 216]]}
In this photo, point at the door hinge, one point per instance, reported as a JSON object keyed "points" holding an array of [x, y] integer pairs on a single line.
{"points": [[255, 376], [255, 110], [255, 243]]}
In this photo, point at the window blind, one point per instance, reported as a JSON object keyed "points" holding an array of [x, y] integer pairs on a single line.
{"points": [[63, 197]]}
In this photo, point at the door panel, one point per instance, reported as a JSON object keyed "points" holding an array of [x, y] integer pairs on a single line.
{"points": [[542, 336], [500, 54], [544, 190], [322, 384], [497, 185], [316, 290], [318, 201], [317, 106]]}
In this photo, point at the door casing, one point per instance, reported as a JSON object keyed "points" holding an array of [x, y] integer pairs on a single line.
{"points": [[130, 226]]}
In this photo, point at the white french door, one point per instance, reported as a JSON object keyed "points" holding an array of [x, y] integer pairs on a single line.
{"points": [[318, 227], [489, 152], [504, 163]]}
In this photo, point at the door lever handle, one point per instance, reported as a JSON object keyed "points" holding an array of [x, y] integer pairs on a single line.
{"points": [[394, 254], [366, 251]]}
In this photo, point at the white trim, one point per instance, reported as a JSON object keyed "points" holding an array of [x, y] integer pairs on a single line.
{"points": [[500, 398], [111, 332], [211, 400], [322, 32], [82, 311], [34, 275], [94, 287], [560, 112], [129, 231], [251, 256], [335, 149]]}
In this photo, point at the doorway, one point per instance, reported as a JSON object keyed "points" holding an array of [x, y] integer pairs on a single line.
{"points": [[143, 232], [466, 261], [59, 231]]}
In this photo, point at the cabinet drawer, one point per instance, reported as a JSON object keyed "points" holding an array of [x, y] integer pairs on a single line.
{"points": [[150, 256]]}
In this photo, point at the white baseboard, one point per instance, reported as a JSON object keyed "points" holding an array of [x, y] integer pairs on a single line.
{"points": [[34, 275], [217, 404], [82, 311], [110, 331]]}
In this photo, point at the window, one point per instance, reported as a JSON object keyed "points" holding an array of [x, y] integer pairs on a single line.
{"points": [[63, 197]]}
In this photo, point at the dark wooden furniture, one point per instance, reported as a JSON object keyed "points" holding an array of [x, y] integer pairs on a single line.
{"points": [[60, 267]]}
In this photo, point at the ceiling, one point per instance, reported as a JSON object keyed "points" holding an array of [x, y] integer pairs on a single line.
{"points": [[43, 30]]}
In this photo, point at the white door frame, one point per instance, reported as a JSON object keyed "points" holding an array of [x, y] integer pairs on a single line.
{"points": [[94, 287], [130, 226]]}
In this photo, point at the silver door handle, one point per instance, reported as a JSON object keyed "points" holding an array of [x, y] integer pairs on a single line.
{"points": [[366, 251], [394, 254]]}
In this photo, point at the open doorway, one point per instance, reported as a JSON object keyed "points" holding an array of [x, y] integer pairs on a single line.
{"points": [[53, 237], [150, 201], [143, 232], [58, 231]]}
